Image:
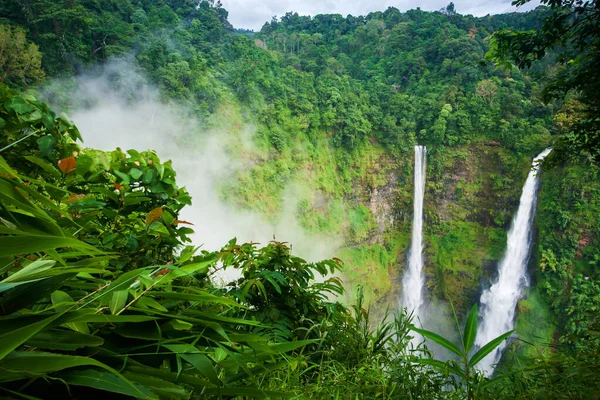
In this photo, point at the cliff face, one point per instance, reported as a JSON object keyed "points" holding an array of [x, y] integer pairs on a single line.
{"points": [[471, 195]]}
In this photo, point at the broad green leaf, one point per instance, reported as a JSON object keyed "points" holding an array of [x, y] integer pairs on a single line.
{"points": [[30, 269], [123, 282], [7, 286], [135, 173], [164, 389], [201, 297], [29, 293], [61, 270], [6, 168], [118, 301], [114, 319], [9, 230], [159, 229], [10, 193], [194, 380], [46, 144], [124, 177], [33, 225], [108, 193], [84, 165], [439, 340], [168, 218], [149, 302], [59, 339], [45, 165], [200, 361], [131, 200], [180, 325], [488, 348], [25, 364], [63, 302], [26, 244], [149, 177], [250, 355], [470, 329], [106, 381], [189, 270], [11, 340]]}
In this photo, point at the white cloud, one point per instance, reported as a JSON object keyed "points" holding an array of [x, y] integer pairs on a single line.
{"points": [[130, 115], [252, 14]]}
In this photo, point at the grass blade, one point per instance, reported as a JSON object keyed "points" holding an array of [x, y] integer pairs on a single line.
{"points": [[488, 348], [470, 329], [439, 340]]}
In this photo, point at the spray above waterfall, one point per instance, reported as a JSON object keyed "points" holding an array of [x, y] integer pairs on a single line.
{"points": [[498, 303], [413, 282]]}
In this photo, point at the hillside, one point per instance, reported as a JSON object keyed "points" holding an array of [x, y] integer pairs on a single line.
{"points": [[305, 131]]}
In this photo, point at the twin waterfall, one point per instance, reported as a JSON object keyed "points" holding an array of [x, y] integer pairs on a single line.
{"points": [[498, 303], [413, 282]]}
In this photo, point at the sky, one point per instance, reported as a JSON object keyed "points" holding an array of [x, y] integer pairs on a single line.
{"points": [[252, 14]]}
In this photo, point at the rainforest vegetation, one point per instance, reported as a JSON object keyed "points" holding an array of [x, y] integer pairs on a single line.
{"points": [[104, 293]]}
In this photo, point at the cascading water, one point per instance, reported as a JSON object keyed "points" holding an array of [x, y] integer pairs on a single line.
{"points": [[499, 302], [412, 283]]}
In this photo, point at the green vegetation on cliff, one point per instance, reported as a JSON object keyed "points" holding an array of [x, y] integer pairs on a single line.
{"points": [[336, 105]]}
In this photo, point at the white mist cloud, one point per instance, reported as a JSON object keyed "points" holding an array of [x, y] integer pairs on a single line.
{"points": [[133, 117]]}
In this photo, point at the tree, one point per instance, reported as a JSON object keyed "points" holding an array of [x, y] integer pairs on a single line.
{"points": [[573, 28], [449, 10], [20, 60]]}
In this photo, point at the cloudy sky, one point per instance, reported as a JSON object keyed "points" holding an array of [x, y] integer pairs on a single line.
{"points": [[252, 14]]}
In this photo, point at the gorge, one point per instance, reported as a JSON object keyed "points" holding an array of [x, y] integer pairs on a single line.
{"points": [[349, 171]]}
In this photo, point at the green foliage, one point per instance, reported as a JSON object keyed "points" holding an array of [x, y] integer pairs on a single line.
{"points": [[20, 61], [572, 27], [280, 289], [466, 371], [84, 313], [338, 103]]}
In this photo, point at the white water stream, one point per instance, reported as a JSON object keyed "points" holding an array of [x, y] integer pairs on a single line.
{"points": [[498, 303], [412, 283]]}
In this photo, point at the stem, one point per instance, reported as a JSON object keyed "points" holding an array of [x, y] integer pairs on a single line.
{"points": [[16, 142], [93, 293], [469, 394], [140, 295]]}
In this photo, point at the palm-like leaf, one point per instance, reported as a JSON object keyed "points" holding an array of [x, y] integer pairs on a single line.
{"points": [[439, 340], [470, 329], [488, 348]]}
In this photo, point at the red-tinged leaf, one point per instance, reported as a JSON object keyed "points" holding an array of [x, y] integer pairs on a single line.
{"points": [[153, 216], [180, 221], [67, 165], [163, 271]]}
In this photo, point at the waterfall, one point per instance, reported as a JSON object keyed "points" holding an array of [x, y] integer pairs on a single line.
{"points": [[498, 303], [412, 283]]}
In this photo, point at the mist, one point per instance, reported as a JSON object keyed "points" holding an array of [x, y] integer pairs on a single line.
{"points": [[116, 107]]}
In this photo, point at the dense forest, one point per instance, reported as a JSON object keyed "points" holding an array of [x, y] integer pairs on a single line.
{"points": [[105, 288]]}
